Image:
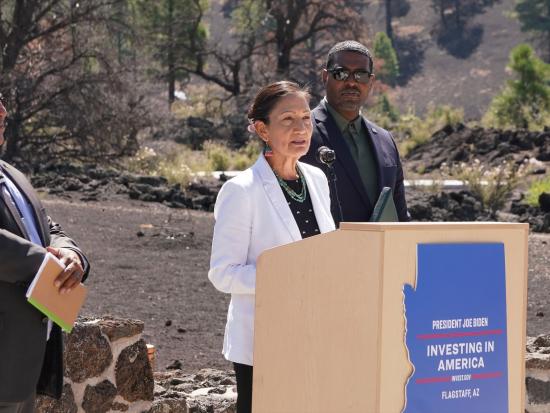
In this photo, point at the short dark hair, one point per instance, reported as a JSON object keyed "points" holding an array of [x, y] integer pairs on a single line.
{"points": [[269, 95], [348, 46]]}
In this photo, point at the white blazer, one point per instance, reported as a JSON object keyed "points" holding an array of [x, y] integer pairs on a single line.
{"points": [[252, 215]]}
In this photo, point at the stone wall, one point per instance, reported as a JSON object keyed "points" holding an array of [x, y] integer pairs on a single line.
{"points": [[207, 391], [537, 374], [106, 369]]}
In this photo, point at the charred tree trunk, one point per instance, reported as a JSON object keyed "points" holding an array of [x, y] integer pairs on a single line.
{"points": [[171, 55], [389, 18]]}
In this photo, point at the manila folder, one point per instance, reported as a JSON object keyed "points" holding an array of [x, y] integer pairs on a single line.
{"points": [[62, 309]]}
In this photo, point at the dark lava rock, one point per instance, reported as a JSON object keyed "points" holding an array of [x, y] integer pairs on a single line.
{"points": [[175, 365], [445, 206], [544, 202], [82, 342], [66, 404], [490, 146], [134, 376], [152, 180], [99, 398]]}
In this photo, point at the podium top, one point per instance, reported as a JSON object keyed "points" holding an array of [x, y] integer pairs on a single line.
{"points": [[407, 226]]}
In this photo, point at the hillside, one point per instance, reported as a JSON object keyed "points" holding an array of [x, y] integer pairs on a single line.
{"points": [[467, 73]]}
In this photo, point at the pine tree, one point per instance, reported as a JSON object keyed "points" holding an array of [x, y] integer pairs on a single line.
{"points": [[384, 51], [525, 101], [169, 26]]}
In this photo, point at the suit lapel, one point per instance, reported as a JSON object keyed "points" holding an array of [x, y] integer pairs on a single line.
{"points": [[28, 192], [276, 197], [332, 137], [378, 152]]}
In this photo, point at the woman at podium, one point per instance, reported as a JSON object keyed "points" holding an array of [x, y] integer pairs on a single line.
{"points": [[275, 202]]}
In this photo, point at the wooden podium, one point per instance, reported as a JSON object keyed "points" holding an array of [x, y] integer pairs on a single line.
{"points": [[330, 326]]}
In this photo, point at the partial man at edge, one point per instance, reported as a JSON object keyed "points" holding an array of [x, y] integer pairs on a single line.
{"points": [[31, 346]]}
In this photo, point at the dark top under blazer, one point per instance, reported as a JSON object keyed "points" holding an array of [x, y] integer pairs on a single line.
{"points": [[356, 205], [29, 362]]}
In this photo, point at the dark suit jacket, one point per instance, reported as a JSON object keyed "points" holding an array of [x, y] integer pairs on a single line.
{"points": [[28, 362], [356, 205]]}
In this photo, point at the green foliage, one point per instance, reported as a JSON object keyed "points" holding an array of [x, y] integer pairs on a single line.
{"points": [[221, 158], [418, 131], [217, 155], [411, 130], [525, 100], [534, 17], [169, 28], [177, 167], [248, 16], [181, 163], [384, 106], [537, 187], [492, 186], [247, 155], [384, 51]]}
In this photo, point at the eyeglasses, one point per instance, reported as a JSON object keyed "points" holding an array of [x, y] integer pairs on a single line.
{"points": [[341, 74]]}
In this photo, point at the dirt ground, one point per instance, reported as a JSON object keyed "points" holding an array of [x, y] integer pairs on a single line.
{"points": [[150, 262]]}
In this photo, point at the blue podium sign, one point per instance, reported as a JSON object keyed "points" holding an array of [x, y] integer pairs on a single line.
{"points": [[456, 330]]}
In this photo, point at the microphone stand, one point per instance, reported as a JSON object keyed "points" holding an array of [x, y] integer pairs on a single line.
{"points": [[332, 180]]}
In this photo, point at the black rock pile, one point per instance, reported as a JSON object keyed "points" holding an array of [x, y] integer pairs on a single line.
{"points": [[491, 146], [445, 206], [464, 206], [95, 183]]}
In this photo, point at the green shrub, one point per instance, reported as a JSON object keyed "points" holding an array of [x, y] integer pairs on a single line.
{"points": [[383, 50], [177, 167], [492, 186], [525, 100], [222, 158], [217, 155], [247, 155], [414, 131], [409, 129], [537, 187]]}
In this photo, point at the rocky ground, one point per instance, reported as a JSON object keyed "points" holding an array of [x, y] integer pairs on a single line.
{"points": [[150, 262], [457, 144]]}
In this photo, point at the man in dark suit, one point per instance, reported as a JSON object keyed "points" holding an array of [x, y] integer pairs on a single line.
{"points": [[366, 155], [30, 345]]}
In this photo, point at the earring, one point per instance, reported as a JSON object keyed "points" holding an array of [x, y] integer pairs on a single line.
{"points": [[268, 152]]}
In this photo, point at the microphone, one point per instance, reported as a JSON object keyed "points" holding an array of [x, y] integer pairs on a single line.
{"points": [[326, 155]]}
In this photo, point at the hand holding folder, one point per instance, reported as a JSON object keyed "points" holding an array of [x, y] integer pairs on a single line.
{"points": [[62, 309]]}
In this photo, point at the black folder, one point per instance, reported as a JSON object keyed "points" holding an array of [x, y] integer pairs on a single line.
{"points": [[384, 210]]}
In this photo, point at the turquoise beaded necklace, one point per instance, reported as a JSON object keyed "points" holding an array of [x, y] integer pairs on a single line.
{"points": [[298, 197]]}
